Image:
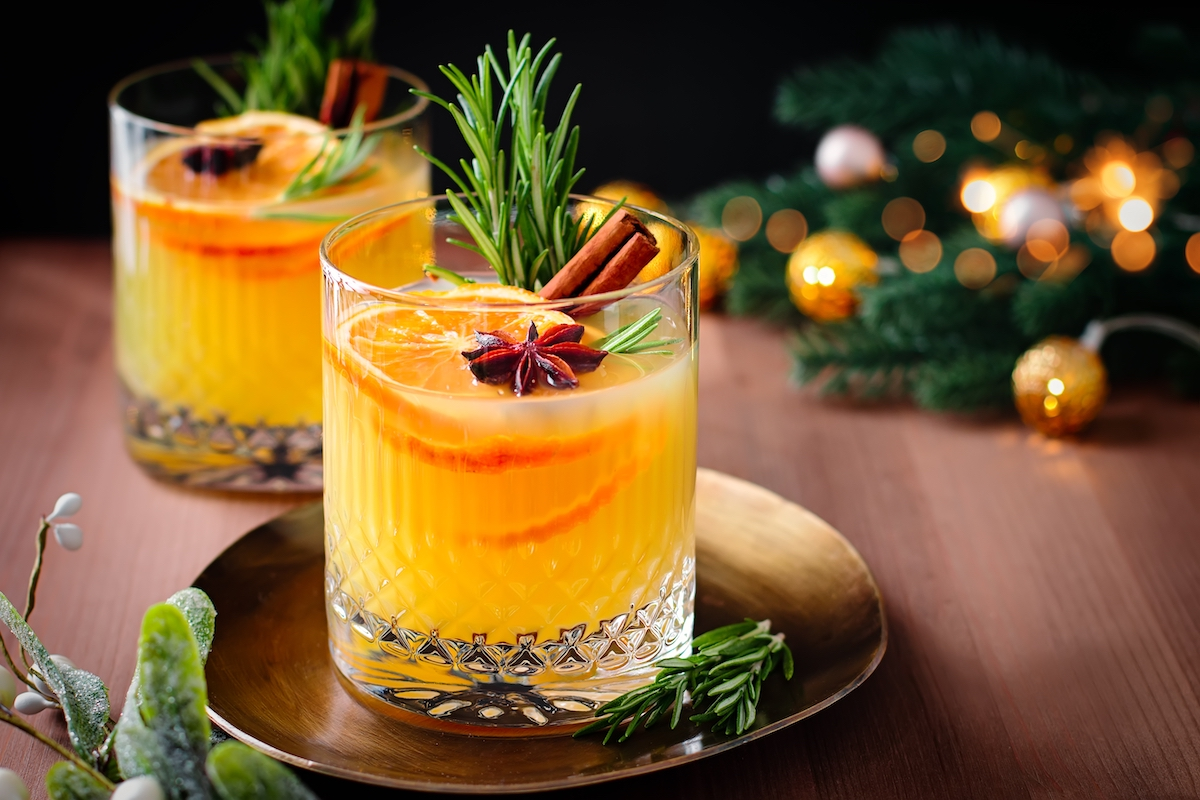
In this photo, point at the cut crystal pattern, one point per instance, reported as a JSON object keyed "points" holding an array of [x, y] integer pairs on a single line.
{"points": [[503, 673], [275, 457]]}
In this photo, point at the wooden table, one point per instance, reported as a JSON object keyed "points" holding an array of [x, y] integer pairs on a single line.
{"points": [[1043, 596]]}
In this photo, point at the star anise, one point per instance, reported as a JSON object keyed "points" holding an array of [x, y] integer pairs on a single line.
{"points": [[554, 357]]}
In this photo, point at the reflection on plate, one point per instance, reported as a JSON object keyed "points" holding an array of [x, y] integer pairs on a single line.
{"points": [[272, 684]]}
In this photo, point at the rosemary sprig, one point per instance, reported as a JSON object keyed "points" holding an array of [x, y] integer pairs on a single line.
{"points": [[288, 71], [337, 161], [516, 209], [628, 338], [724, 680]]}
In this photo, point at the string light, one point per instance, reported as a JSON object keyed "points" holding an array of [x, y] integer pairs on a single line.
{"points": [[786, 229], [985, 126], [741, 218], [929, 146], [902, 216]]}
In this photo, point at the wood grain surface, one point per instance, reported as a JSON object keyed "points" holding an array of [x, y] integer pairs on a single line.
{"points": [[1043, 597]]}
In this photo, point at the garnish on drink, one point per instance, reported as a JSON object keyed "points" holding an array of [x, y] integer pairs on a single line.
{"points": [[510, 465], [217, 222]]}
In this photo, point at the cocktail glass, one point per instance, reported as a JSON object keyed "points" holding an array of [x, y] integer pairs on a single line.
{"points": [[491, 559], [217, 323]]}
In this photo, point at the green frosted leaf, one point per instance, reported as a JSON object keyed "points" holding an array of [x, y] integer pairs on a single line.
{"points": [[65, 781], [241, 773], [201, 616], [170, 698], [83, 696]]}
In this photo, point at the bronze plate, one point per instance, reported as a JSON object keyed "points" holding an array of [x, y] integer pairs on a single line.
{"points": [[272, 684]]}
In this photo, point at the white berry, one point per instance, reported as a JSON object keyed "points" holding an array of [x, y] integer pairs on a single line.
{"points": [[31, 703], [142, 787], [11, 786], [69, 535], [66, 506]]}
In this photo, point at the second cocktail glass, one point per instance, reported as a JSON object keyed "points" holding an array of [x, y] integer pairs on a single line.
{"points": [[217, 278], [494, 559]]}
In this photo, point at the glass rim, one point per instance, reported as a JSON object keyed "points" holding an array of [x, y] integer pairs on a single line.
{"points": [[184, 130], [330, 271]]}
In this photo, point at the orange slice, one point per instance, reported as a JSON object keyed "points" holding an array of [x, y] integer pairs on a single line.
{"points": [[388, 347], [421, 347]]}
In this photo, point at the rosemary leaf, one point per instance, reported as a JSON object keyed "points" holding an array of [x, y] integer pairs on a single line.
{"points": [[724, 680], [334, 163]]}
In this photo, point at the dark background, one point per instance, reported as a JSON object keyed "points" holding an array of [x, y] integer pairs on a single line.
{"points": [[676, 96]]}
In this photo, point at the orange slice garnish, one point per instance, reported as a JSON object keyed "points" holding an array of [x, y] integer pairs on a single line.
{"points": [[388, 348]]}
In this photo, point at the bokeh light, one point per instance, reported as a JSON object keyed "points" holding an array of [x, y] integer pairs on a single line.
{"points": [[985, 126], [975, 268], [1068, 265], [1192, 252], [1047, 239], [1135, 214], [978, 196], [1030, 265], [902, 216], [1133, 250], [741, 218], [921, 251], [1063, 143], [929, 146], [786, 229], [1178, 152], [1117, 179]]}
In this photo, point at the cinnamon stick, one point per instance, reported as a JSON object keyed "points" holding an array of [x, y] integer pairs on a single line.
{"points": [[579, 272], [622, 268], [348, 85]]}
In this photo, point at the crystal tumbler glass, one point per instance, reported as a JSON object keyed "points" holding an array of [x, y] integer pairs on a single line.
{"points": [[495, 559], [217, 278]]}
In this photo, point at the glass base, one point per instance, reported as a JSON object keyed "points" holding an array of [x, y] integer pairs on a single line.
{"points": [[523, 684], [176, 446]]}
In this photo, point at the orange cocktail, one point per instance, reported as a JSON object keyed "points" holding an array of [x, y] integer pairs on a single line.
{"points": [[495, 559], [217, 324]]}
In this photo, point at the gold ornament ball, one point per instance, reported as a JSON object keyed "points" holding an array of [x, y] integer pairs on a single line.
{"points": [[1059, 386], [718, 264], [635, 194], [826, 271]]}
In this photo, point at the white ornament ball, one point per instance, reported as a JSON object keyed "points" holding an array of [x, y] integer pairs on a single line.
{"points": [[143, 787], [11, 786], [1022, 210], [847, 156]]}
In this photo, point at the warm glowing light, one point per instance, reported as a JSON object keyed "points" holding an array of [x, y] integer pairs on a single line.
{"points": [[1069, 264], [741, 218], [902, 216], [1047, 239], [1051, 404], [921, 251], [929, 146], [1135, 214], [1063, 143], [810, 274], [786, 229], [1028, 151], [1133, 250], [975, 268], [985, 126], [1030, 264], [978, 196], [826, 276], [1117, 179], [1192, 252], [1054, 386], [1178, 152]]}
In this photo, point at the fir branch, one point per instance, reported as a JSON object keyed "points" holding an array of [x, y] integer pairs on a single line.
{"points": [[724, 680]]}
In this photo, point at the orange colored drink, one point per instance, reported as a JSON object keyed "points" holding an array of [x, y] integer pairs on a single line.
{"points": [[493, 559], [217, 279]]}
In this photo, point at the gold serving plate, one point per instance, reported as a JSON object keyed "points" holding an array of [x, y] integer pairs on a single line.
{"points": [[272, 684]]}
